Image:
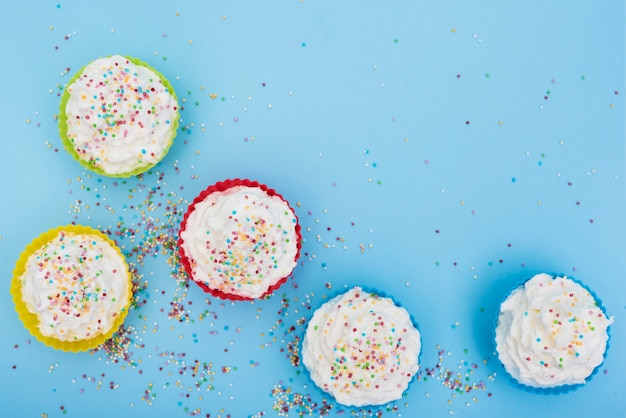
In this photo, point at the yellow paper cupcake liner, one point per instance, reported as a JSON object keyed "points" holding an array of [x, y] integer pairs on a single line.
{"points": [[69, 146], [31, 321]]}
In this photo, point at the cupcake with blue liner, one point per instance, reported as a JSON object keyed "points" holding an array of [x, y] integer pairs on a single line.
{"points": [[362, 348], [118, 116], [551, 334]]}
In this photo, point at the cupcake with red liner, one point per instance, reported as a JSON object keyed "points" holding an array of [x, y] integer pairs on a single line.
{"points": [[552, 334], [362, 348], [239, 240], [72, 288], [118, 116]]}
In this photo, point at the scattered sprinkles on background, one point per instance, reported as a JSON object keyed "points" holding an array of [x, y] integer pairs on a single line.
{"points": [[145, 226]]}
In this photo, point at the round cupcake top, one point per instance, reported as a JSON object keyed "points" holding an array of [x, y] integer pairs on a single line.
{"points": [[361, 348], [119, 116], [551, 332], [239, 239], [77, 284]]}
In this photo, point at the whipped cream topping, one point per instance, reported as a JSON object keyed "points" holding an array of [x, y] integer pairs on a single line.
{"points": [[241, 241], [551, 332], [120, 116], [361, 348], [76, 284]]}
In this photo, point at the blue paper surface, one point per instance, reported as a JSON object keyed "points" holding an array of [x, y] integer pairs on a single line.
{"points": [[440, 152]]}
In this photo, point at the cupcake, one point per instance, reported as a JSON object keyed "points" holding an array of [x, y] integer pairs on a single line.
{"points": [[239, 240], [71, 288], [551, 334], [361, 348], [118, 116]]}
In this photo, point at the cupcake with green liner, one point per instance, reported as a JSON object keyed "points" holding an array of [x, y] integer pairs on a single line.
{"points": [[362, 348], [552, 334], [118, 116], [72, 288]]}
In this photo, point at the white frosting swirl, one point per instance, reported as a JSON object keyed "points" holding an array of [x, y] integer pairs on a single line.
{"points": [[361, 348], [241, 241], [551, 332], [76, 284], [120, 116]]}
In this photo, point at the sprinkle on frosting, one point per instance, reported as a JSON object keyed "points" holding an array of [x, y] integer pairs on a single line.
{"points": [[120, 115], [551, 332], [76, 284], [362, 348]]}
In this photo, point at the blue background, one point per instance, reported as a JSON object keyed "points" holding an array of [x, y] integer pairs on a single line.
{"points": [[439, 152]]}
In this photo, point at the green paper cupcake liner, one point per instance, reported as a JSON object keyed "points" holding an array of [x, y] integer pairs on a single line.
{"points": [[69, 146]]}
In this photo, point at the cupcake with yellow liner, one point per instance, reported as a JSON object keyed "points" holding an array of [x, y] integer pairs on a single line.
{"points": [[72, 288], [118, 116]]}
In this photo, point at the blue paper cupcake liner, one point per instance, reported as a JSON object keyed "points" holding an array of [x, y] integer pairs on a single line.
{"points": [[561, 389], [382, 295]]}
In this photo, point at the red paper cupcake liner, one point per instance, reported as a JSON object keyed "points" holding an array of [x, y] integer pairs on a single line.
{"points": [[220, 187]]}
